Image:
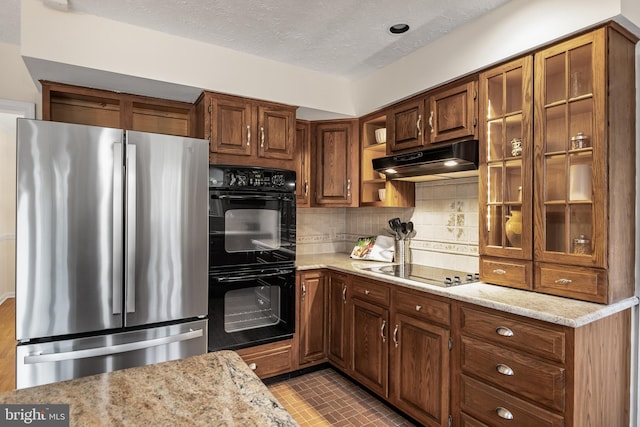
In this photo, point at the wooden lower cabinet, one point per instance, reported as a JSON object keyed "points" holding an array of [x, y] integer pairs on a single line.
{"points": [[337, 330], [311, 292], [419, 357], [369, 345], [269, 360], [513, 370]]}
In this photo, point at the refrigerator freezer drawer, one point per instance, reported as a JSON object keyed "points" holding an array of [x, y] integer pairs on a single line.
{"points": [[49, 362]]}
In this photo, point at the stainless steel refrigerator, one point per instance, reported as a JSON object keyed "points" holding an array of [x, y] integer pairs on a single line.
{"points": [[111, 250]]}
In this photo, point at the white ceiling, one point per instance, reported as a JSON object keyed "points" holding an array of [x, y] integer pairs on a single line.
{"points": [[348, 38]]}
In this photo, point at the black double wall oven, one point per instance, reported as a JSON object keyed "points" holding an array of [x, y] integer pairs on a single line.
{"points": [[252, 247]]}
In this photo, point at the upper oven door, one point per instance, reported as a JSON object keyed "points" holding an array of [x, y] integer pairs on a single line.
{"points": [[251, 228]]}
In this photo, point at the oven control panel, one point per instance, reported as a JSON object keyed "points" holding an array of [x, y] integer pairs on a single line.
{"points": [[251, 178]]}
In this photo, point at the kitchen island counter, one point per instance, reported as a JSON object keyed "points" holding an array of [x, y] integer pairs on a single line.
{"points": [[549, 308], [212, 389]]}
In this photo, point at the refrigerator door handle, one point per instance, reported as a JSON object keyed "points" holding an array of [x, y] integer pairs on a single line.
{"points": [[113, 349], [130, 279], [116, 280]]}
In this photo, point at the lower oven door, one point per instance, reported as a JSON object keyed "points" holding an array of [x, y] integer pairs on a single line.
{"points": [[251, 307]]}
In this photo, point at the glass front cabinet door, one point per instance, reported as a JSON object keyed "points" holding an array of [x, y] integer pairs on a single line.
{"points": [[506, 182], [583, 166]]}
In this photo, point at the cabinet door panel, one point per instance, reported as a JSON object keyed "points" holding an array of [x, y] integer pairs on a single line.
{"points": [[336, 164], [337, 330], [302, 162], [405, 126], [420, 375], [452, 114], [275, 133], [231, 131], [312, 317], [369, 346]]}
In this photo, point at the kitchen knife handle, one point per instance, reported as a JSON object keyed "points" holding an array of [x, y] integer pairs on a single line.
{"points": [[131, 228], [116, 262]]}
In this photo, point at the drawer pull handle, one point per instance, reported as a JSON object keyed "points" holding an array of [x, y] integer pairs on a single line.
{"points": [[384, 338], [504, 370], [367, 292], [563, 282], [500, 271], [504, 413], [504, 331], [418, 307]]}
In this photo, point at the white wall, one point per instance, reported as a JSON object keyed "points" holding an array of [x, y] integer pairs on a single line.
{"points": [[15, 81]]}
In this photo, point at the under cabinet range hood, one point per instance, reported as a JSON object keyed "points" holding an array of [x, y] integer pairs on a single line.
{"points": [[456, 160]]}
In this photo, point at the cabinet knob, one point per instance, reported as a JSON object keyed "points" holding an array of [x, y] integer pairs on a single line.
{"points": [[367, 291], [563, 282], [504, 331], [504, 370], [504, 413], [252, 366], [499, 271], [418, 307]]}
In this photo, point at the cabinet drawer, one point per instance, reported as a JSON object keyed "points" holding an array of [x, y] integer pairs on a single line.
{"points": [[270, 359], [496, 408], [512, 273], [370, 291], [539, 381], [420, 306], [514, 333], [576, 282]]}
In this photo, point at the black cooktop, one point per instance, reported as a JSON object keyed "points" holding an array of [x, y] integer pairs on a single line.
{"points": [[424, 274]]}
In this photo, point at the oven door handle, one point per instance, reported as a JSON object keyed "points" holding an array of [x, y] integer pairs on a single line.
{"points": [[229, 279], [253, 197]]}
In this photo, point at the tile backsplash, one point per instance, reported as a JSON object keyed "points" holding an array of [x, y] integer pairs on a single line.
{"points": [[445, 220]]}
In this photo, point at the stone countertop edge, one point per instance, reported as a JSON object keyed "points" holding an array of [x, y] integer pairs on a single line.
{"points": [[210, 389], [548, 308]]}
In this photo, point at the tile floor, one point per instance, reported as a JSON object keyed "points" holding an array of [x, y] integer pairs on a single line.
{"points": [[326, 398]]}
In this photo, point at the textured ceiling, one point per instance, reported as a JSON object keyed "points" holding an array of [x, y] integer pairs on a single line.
{"points": [[348, 38]]}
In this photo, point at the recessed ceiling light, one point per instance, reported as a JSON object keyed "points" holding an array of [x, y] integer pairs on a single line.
{"points": [[399, 28]]}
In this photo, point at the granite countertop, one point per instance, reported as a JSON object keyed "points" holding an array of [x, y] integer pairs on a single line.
{"points": [[549, 308], [211, 389]]}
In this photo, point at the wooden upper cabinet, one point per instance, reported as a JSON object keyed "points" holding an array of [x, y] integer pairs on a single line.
{"points": [[506, 176], [405, 126], [302, 156], [276, 132], [247, 131], [336, 163], [584, 198], [231, 129], [452, 113], [94, 107]]}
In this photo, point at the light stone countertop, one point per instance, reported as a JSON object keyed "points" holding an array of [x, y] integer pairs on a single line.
{"points": [[214, 389], [549, 308]]}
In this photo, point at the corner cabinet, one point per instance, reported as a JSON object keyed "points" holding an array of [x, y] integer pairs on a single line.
{"points": [[506, 178], [335, 164], [396, 193], [246, 131], [584, 199]]}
